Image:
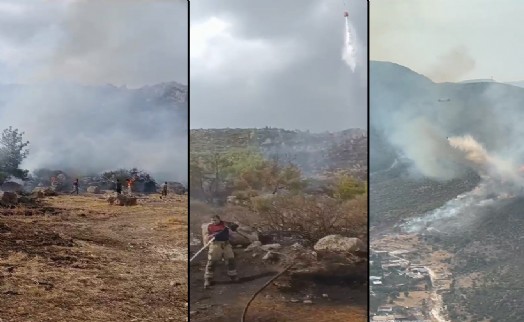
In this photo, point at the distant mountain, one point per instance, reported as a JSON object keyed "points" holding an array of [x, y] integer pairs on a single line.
{"points": [[314, 153], [169, 94], [460, 108], [480, 80], [517, 83]]}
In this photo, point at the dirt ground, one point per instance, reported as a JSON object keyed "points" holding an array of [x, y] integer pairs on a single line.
{"points": [[346, 300], [226, 300], [76, 258]]}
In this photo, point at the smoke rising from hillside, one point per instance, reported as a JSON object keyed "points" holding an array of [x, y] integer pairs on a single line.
{"points": [[500, 180], [452, 66], [89, 129], [477, 129]]}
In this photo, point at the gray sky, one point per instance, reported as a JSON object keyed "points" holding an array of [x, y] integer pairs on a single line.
{"points": [[276, 63], [450, 40], [129, 42]]}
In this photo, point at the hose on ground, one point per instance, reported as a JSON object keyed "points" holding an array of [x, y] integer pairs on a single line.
{"points": [[262, 288]]}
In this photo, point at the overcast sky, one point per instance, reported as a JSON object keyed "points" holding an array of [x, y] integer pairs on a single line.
{"points": [[276, 63], [450, 40], [131, 42]]}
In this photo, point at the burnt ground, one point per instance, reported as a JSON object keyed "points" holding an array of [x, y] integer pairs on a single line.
{"points": [[75, 258], [282, 300], [486, 255]]}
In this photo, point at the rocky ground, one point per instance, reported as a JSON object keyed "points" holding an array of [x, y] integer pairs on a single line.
{"points": [[77, 258]]}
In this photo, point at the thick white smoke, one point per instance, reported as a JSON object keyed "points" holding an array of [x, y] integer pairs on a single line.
{"points": [[501, 179], [487, 165], [349, 52]]}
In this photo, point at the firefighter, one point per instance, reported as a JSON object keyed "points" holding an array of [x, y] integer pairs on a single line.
{"points": [[220, 248], [164, 189], [129, 186], [75, 187], [118, 186]]}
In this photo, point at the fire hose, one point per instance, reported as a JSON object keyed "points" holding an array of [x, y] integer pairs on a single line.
{"points": [[202, 249], [264, 286], [209, 243]]}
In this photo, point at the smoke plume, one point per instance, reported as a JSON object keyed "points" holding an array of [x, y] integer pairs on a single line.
{"points": [[500, 180], [72, 118], [452, 66], [447, 131]]}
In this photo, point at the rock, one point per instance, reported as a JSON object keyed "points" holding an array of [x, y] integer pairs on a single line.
{"points": [[269, 247], [340, 244], [122, 200], [131, 201], [111, 200], [325, 296], [45, 191], [11, 186], [8, 198], [253, 246], [307, 302], [93, 189], [232, 200], [248, 236], [294, 301], [270, 256]]}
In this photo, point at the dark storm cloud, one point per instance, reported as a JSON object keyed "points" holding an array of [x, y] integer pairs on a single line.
{"points": [[120, 42], [306, 84]]}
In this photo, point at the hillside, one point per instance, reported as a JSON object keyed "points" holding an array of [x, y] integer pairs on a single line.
{"points": [[485, 254], [314, 153]]}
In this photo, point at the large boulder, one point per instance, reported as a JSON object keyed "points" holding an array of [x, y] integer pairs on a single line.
{"points": [[93, 189], [244, 236], [232, 200], [8, 198], [11, 186], [340, 244], [337, 255], [122, 200]]}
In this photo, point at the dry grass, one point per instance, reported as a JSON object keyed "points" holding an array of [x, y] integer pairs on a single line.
{"points": [[123, 264]]}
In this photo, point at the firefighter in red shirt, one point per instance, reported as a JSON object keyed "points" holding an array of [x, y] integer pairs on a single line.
{"points": [[130, 186], [220, 247]]}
